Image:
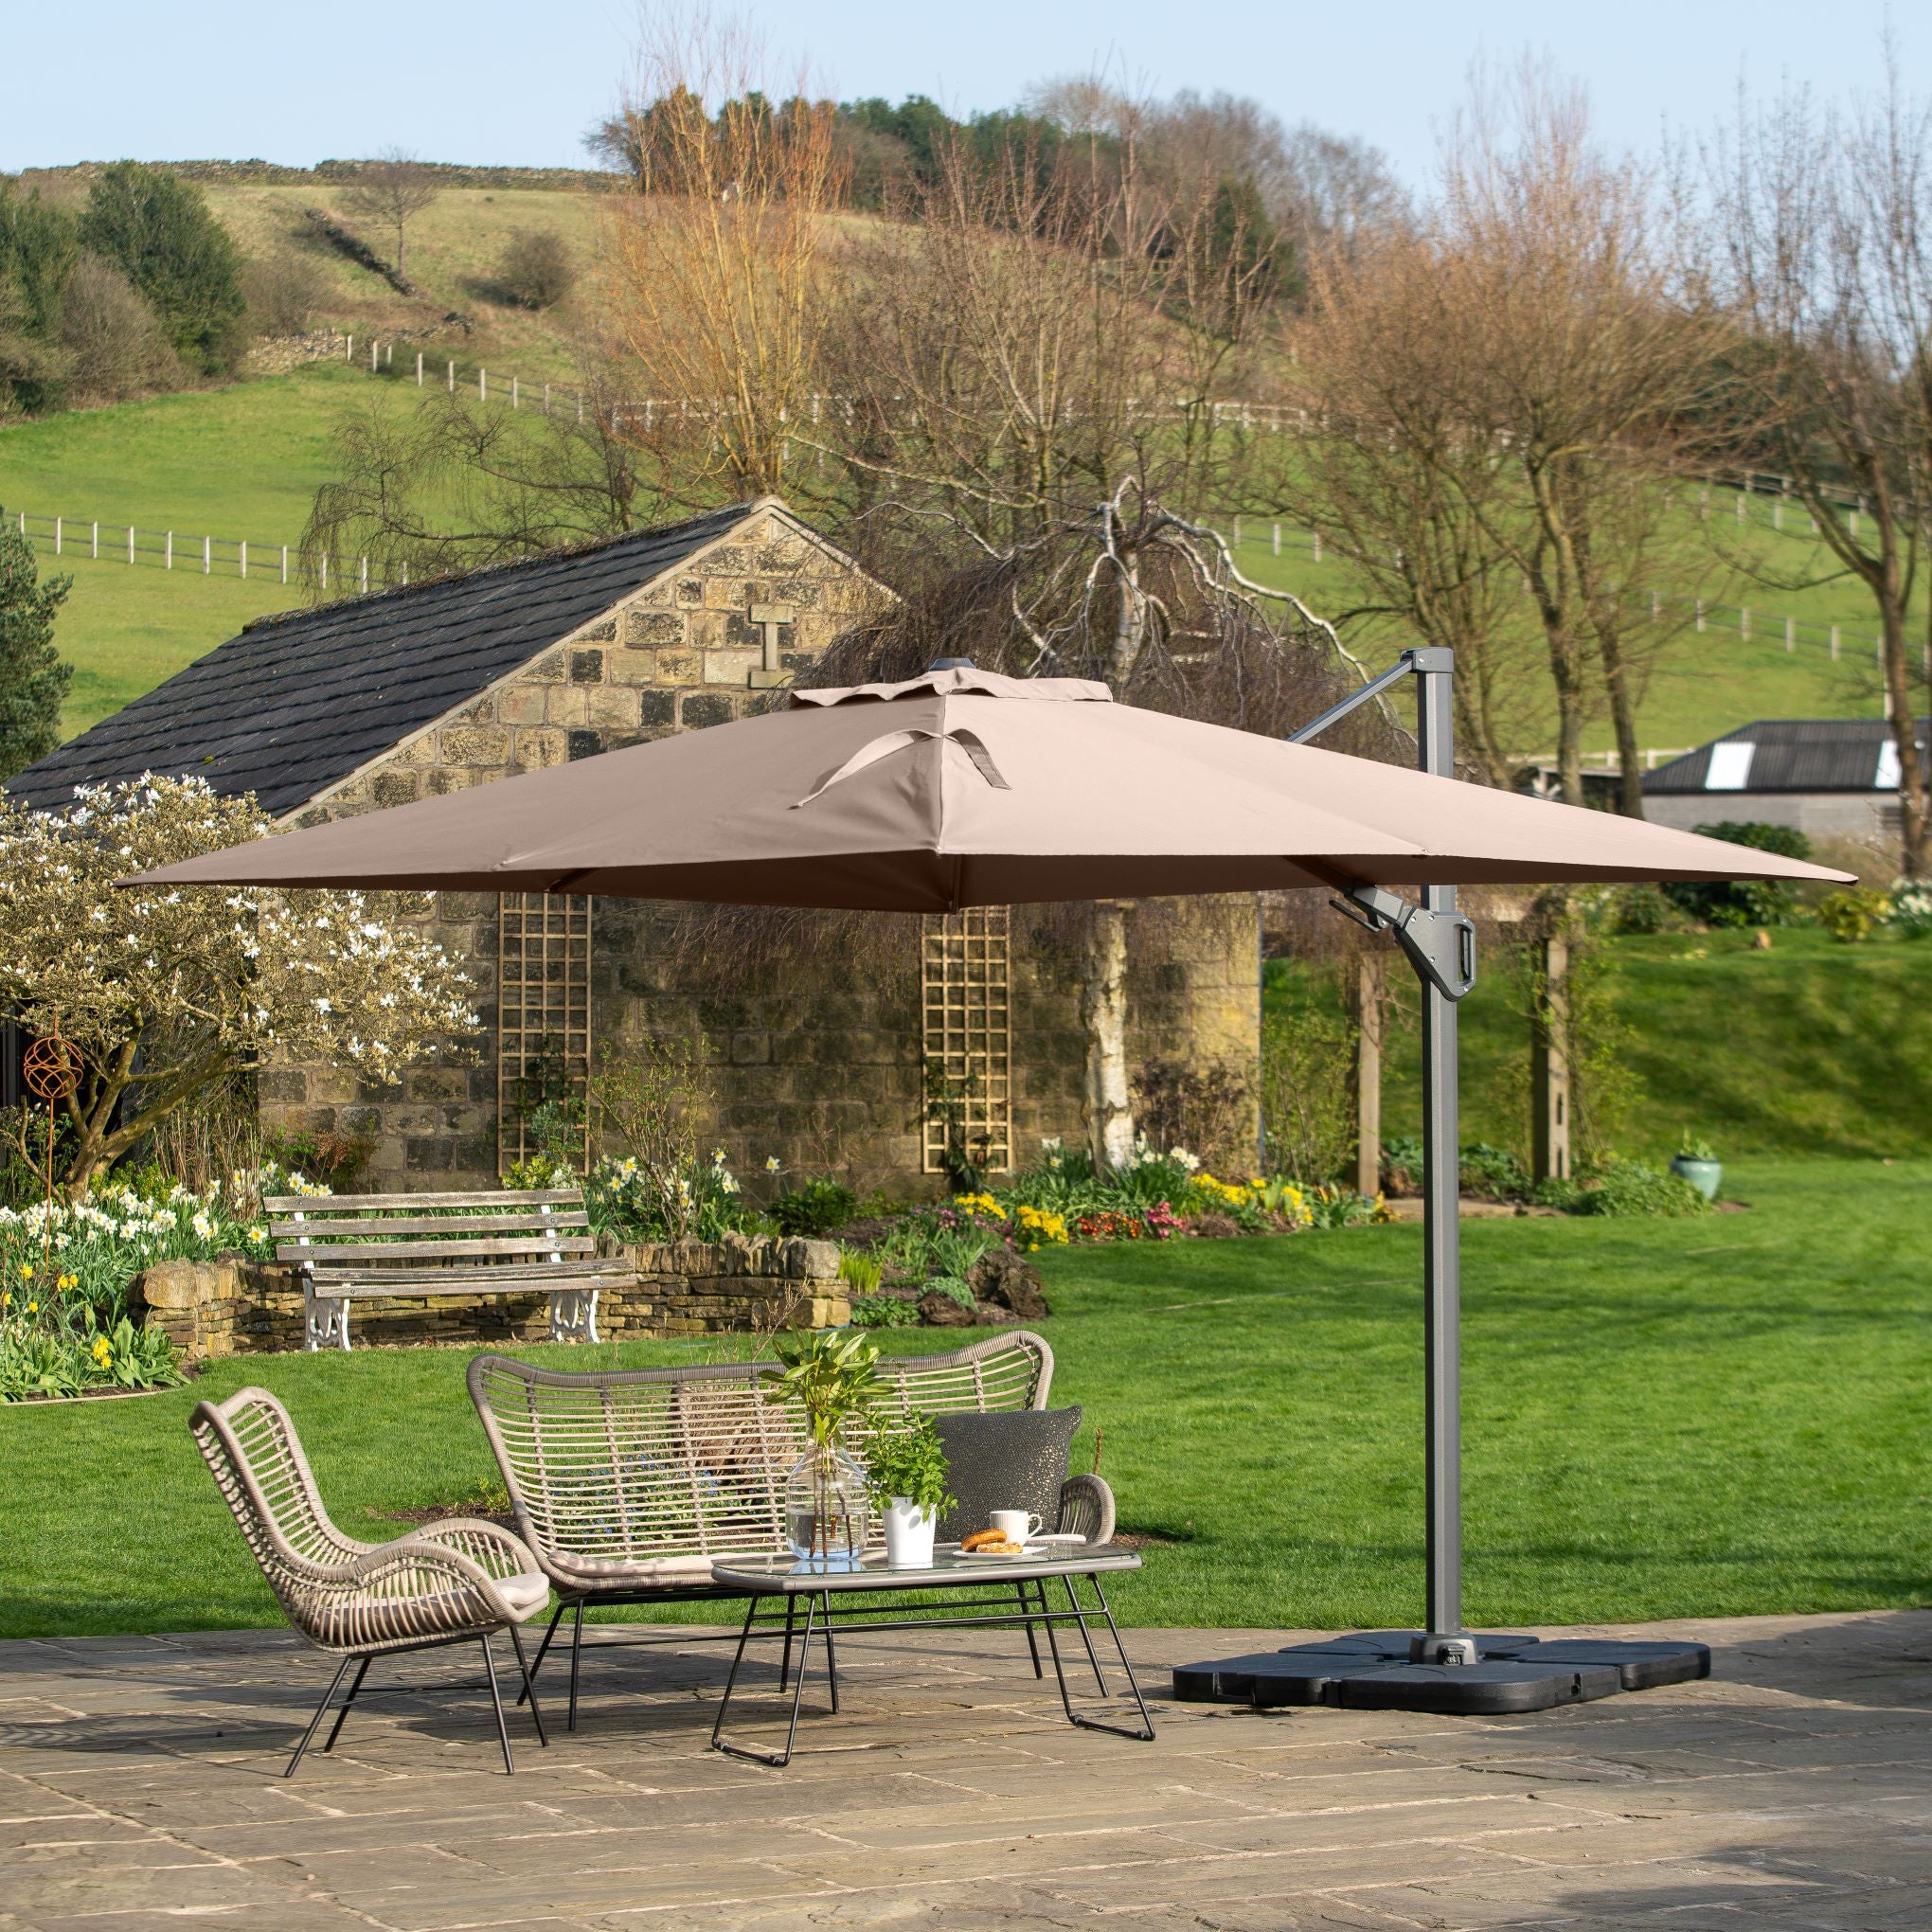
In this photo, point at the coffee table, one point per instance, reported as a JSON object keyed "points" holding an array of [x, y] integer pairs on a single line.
{"points": [[820, 1582]]}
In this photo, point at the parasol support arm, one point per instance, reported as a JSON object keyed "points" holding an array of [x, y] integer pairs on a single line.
{"points": [[1440, 945]]}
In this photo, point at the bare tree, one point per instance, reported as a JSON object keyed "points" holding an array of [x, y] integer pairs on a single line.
{"points": [[1333, 190], [1823, 244], [715, 290], [393, 190]]}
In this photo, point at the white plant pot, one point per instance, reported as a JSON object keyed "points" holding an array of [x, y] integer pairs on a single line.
{"points": [[910, 1535]]}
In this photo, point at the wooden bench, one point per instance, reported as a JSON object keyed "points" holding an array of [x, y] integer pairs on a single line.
{"points": [[508, 1241]]}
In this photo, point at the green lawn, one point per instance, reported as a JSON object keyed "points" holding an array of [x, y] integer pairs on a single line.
{"points": [[1713, 1417]]}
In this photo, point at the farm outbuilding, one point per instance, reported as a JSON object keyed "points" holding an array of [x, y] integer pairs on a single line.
{"points": [[962, 1028], [1831, 777]]}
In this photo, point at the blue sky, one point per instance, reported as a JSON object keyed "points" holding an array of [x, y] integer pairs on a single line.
{"points": [[492, 81]]}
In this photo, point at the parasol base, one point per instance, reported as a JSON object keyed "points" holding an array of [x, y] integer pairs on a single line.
{"points": [[1371, 1671]]}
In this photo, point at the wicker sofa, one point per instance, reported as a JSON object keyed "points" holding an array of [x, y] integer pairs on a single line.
{"points": [[628, 1483]]}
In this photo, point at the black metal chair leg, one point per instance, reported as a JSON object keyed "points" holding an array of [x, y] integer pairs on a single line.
{"points": [[1032, 1641], [496, 1705], [731, 1678], [830, 1655], [543, 1651], [1085, 1637], [315, 1722], [335, 1729], [576, 1659], [786, 1661], [529, 1690]]}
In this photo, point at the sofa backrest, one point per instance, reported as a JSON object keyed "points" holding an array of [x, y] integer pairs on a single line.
{"points": [[642, 1465]]}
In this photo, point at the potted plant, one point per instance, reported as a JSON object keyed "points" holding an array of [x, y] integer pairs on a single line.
{"points": [[1696, 1161], [906, 1477], [833, 1377]]}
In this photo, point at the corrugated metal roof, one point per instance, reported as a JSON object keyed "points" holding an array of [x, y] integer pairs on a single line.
{"points": [[1791, 755], [296, 703]]}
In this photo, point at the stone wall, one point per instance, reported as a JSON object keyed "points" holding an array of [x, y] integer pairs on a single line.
{"points": [[236, 1306]]}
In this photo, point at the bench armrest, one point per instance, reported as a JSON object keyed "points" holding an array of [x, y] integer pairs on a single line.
{"points": [[1086, 1509]]}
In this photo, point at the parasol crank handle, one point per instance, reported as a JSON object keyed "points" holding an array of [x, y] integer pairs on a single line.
{"points": [[1440, 945]]}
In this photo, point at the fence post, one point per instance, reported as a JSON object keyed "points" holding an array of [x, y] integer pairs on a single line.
{"points": [[1277, 540], [96, 541], [1704, 505], [362, 575], [482, 385], [390, 357], [580, 406], [1789, 636], [1700, 614], [372, 355], [512, 392], [453, 376], [1835, 643], [1314, 546], [284, 563], [419, 369], [546, 399], [57, 536], [348, 349], [167, 552], [1778, 512], [1657, 605], [325, 570], [1740, 507], [131, 542], [207, 556], [242, 557], [1237, 533], [1745, 620]]}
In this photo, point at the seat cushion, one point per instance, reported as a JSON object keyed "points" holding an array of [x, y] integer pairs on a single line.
{"points": [[1015, 1459], [526, 1593]]}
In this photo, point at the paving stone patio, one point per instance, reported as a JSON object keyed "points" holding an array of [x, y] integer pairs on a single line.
{"points": [[140, 1787]]}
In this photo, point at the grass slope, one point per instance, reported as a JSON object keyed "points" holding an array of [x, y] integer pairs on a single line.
{"points": [[1663, 1419], [1812, 1047]]}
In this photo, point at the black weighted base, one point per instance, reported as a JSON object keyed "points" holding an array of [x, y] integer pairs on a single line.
{"points": [[1370, 1671]]}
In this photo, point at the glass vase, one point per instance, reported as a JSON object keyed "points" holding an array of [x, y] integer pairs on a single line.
{"points": [[825, 1508]]}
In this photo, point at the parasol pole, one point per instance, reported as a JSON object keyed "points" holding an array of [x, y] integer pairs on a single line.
{"points": [[1440, 943]]}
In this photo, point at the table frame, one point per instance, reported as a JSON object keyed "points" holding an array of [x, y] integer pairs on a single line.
{"points": [[818, 1591]]}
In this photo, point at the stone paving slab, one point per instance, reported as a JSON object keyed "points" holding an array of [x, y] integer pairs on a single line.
{"points": [[140, 1787]]}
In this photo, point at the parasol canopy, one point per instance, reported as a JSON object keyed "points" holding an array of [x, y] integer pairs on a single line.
{"points": [[962, 787]]}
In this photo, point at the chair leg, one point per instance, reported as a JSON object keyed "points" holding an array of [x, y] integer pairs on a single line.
{"points": [[335, 1729], [543, 1651], [785, 1660], [315, 1722], [496, 1704], [529, 1690], [830, 1655], [576, 1657], [1032, 1641]]}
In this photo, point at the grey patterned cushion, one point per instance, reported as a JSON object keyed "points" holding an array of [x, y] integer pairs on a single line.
{"points": [[1014, 1460]]}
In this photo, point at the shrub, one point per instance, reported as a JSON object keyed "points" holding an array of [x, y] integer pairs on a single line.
{"points": [[814, 1208], [1308, 1104], [536, 269], [1642, 909], [334, 1159], [1633, 1187], [115, 341], [156, 228], [34, 680], [953, 1289], [1911, 907], [1850, 916], [1744, 902], [284, 291]]}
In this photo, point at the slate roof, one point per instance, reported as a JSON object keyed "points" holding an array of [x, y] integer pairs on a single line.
{"points": [[298, 702], [1794, 755]]}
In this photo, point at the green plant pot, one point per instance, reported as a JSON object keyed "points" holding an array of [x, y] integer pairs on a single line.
{"points": [[1703, 1175]]}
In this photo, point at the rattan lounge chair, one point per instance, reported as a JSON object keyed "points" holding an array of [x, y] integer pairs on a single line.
{"points": [[628, 1483], [455, 1581]]}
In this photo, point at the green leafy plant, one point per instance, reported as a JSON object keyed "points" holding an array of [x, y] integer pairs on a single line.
{"points": [[1690, 1147], [859, 1271], [909, 1465], [1911, 908], [832, 1374], [954, 1288], [814, 1208], [885, 1310], [1625, 1188]]}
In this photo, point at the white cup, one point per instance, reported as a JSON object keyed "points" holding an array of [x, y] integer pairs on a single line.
{"points": [[1014, 1525]]}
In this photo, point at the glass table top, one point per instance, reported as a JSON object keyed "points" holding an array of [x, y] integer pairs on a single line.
{"points": [[949, 1565]]}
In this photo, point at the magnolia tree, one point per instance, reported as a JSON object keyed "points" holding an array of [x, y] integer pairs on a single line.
{"points": [[163, 995]]}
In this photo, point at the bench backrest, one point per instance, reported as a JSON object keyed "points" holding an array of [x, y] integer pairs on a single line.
{"points": [[408, 1235], [628, 1466]]}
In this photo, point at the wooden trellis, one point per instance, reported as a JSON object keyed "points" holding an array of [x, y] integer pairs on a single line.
{"points": [[966, 999], [542, 1008]]}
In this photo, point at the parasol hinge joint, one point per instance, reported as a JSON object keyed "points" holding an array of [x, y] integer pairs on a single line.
{"points": [[1440, 945]]}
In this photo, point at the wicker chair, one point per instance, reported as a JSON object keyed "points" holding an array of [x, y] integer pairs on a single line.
{"points": [[453, 1581], [627, 1483]]}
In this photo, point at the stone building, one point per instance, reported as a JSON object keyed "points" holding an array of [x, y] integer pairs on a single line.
{"points": [[865, 1065]]}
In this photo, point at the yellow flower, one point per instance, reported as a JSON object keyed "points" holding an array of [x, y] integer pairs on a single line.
{"points": [[103, 1349], [27, 1271], [6, 1299], [33, 1308]]}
